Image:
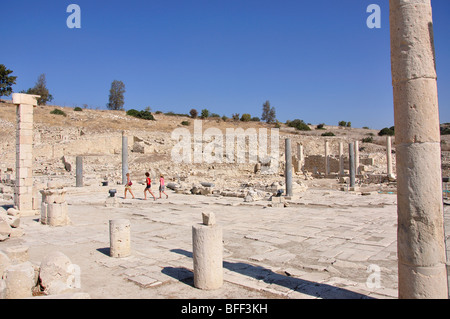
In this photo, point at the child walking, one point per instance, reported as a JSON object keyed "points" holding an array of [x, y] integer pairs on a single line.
{"points": [[128, 187], [148, 186], [162, 186]]}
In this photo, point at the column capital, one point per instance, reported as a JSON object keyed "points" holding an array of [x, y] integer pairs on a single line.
{"points": [[21, 98]]}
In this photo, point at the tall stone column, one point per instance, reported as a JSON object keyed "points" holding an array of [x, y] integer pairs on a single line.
{"points": [[79, 171], [420, 239], [23, 191], [288, 167], [301, 157], [327, 158], [390, 174], [356, 157], [341, 158], [124, 157], [351, 165]]}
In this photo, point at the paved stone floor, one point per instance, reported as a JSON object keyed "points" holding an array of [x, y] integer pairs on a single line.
{"points": [[326, 244]]}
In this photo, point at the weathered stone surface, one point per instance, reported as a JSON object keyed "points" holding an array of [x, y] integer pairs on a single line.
{"points": [[56, 273], [20, 280], [17, 254], [120, 241]]}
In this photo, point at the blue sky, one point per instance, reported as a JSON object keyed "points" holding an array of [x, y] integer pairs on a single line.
{"points": [[313, 60]]}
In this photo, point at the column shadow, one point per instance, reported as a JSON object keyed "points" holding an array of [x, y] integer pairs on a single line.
{"points": [[314, 289]]}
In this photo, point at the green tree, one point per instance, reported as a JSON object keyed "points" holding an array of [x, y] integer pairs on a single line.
{"points": [[116, 96], [246, 117], [6, 81], [40, 88], [193, 113], [205, 114], [268, 114]]}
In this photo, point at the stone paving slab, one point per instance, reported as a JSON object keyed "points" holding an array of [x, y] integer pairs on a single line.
{"points": [[302, 251]]}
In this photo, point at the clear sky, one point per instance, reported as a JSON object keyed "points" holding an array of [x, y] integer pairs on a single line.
{"points": [[313, 60]]}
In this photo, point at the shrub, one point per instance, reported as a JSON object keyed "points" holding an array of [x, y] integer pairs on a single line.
{"points": [[224, 118], [246, 117], [158, 112], [299, 125], [367, 139], [186, 123], [386, 131], [235, 116], [328, 134], [320, 126], [78, 109], [214, 115], [58, 112], [145, 115], [342, 123], [445, 130], [255, 119]]}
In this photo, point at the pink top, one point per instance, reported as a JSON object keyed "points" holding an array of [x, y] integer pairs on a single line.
{"points": [[161, 181]]}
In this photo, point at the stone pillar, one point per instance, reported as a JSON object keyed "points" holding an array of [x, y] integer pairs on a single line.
{"points": [[79, 171], [351, 157], [23, 191], [356, 157], [288, 167], [327, 158], [124, 157], [301, 157], [341, 158], [119, 235], [420, 237], [54, 209], [208, 253], [390, 174]]}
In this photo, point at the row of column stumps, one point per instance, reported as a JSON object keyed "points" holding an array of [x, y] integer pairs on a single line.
{"points": [[207, 248]]}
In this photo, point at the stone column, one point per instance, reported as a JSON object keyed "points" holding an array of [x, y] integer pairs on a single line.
{"points": [[79, 172], [301, 157], [23, 191], [208, 253], [341, 158], [351, 157], [420, 237], [288, 167], [389, 157], [124, 157], [119, 235], [54, 209], [356, 157], [327, 158]]}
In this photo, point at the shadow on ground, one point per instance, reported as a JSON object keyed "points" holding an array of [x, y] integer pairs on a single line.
{"points": [[310, 288]]}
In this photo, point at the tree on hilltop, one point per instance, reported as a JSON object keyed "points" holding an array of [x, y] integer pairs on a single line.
{"points": [[6, 81], [268, 113], [116, 98], [40, 88]]}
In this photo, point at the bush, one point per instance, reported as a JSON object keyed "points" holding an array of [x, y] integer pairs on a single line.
{"points": [[386, 131], [328, 134], [255, 119], [224, 118], [299, 125], [320, 126], [235, 117], [445, 130], [186, 123], [246, 117], [367, 139], [214, 115], [78, 109], [342, 123], [145, 115], [58, 112], [158, 112]]}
